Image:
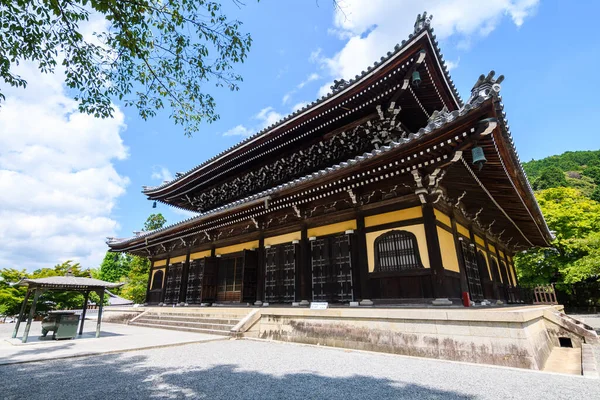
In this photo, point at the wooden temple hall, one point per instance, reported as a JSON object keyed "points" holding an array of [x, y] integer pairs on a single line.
{"points": [[390, 189]]}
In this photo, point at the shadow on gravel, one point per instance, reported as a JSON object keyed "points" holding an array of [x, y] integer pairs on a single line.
{"points": [[129, 377]]}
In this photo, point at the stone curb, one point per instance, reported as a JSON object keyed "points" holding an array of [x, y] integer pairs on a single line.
{"points": [[589, 367]]}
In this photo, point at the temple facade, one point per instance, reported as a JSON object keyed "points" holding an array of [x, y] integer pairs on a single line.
{"points": [[389, 189]]}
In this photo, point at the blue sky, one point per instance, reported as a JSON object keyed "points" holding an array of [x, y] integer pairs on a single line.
{"points": [[547, 50]]}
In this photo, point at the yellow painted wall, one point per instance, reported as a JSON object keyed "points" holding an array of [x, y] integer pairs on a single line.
{"points": [[200, 254], [287, 238], [511, 268], [164, 276], [498, 264], [159, 263], [463, 230], [393, 216], [487, 261], [492, 248], [443, 218], [480, 241], [448, 249], [333, 228], [237, 247], [417, 230], [176, 260]]}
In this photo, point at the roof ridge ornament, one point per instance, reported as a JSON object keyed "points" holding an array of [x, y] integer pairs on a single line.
{"points": [[486, 86], [338, 85], [422, 22]]}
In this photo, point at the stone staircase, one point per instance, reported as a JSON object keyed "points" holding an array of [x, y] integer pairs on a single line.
{"points": [[214, 323]]}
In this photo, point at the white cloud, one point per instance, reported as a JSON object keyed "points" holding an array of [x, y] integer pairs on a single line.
{"points": [[268, 116], [299, 106], [373, 27], [287, 97], [239, 130], [452, 64], [162, 174], [58, 184], [265, 117], [323, 90], [312, 77]]}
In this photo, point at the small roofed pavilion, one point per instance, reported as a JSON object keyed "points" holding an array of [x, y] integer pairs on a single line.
{"points": [[67, 283]]}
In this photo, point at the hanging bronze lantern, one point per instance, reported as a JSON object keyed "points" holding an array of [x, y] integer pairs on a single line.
{"points": [[478, 156], [416, 78], [154, 205]]}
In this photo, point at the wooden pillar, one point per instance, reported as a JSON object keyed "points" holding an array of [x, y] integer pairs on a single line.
{"points": [[31, 314], [260, 268], [149, 280], [164, 283], [100, 307], [435, 254], [305, 271], [14, 335], [362, 267], [464, 286], [495, 273], [85, 304], [184, 278]]}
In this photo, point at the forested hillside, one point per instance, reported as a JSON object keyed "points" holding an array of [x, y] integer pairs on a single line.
{"points": [[576, 169], [567, 188]]}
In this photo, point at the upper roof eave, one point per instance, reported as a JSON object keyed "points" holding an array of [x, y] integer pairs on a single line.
{"points": [[120, 245], [425, 31]]}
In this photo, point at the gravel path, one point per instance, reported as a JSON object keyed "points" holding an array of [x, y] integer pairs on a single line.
{"points": [[244, 369]]}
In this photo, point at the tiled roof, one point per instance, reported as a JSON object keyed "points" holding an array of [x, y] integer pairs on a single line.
{"points": [[422, 24], [438, 121], [67, 281]]}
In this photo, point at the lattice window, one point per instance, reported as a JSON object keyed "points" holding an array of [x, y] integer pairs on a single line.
{"points": [[331, 262], [194, 285], [397, 251], [173, 283], [475, 289], [280, 273]]}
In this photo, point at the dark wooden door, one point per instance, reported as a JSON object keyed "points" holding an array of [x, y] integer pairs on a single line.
{"points": [[229, 278], [209, 280], [173, 284], [331, 264], [250, 276], [194, 283], [280, 273], [472, 270]]}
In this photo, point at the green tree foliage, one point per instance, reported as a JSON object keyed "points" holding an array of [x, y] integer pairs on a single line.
{"points": [[136, 279], [114, 267], [550, 177], [153, 54], [568, 161], [593, 173], [575, 253], [154, 221], [11, 296]]}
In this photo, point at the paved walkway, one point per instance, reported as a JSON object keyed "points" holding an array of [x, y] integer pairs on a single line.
{"points": [[245, 369], [113, 338]]}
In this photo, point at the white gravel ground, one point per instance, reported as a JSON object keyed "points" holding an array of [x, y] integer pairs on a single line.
{"points": [[245, 369]]}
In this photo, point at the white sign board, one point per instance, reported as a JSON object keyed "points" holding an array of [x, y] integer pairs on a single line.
{"points": [[319, 305]]}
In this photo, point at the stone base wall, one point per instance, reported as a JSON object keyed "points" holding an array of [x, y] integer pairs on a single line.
{"points": [[515, 338]]}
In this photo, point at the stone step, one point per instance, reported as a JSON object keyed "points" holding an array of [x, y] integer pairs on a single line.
{"points": [[193, 318], [188, 324], [200, 315], [181, 328]]}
